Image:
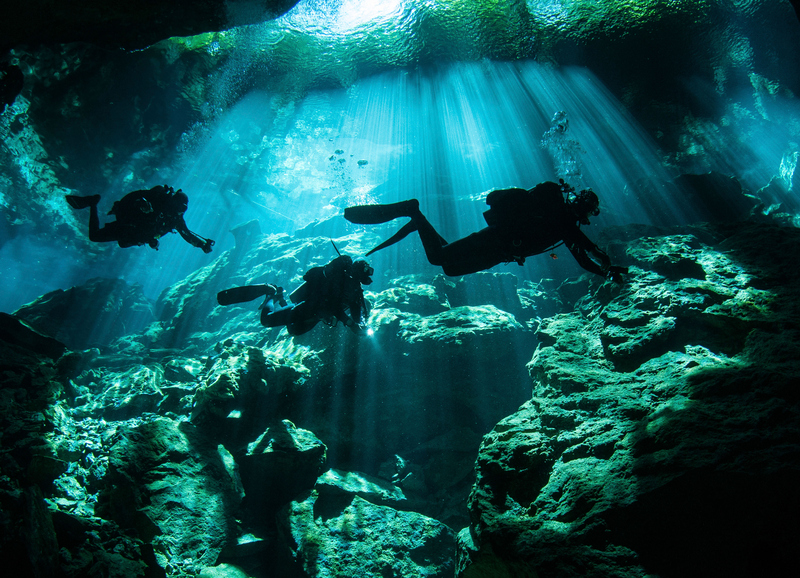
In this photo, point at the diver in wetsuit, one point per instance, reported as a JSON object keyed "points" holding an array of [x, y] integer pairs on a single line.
{"points": [[521, 223], [330, 293], [142, 218]]}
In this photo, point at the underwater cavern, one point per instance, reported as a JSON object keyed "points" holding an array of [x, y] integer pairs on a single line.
{"points": [[533, 419]]}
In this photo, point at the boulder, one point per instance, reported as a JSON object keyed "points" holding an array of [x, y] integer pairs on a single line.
{"points": [[358, 538], [710, 197], [18, 333], [89, 315], [457, 362], [337, 483], [174, 489], [283, 462]]}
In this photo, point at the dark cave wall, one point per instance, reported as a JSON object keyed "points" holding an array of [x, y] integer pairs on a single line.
{"points": [[127, 25]]}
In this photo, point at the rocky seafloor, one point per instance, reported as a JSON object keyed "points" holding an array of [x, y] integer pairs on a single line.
{"points": [[488, 427]]}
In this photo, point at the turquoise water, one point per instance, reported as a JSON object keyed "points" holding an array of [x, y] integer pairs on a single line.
{"points": [[548, 410], [442, 101]]}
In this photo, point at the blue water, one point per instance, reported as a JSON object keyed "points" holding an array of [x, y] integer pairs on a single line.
{"points": [[348, 102]]}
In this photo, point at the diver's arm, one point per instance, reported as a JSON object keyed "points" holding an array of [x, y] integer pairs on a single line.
{"points": [[342, 316], [355, 308], [192, 238], [587, 254], [356, 311]]}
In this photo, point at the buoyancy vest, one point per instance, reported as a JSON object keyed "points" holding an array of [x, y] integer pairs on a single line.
{"points": [[532, 220]]}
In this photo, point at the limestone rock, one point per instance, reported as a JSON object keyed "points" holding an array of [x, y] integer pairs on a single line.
{"points": [[223, 571], [15, 332], [338, 483], [257, 374], [714, 197], [655, 407], [40, 537], [122, 388], [248, 388], [708, 197], [358, 538], [283, 462], [91, 314], [171, 486], [90, 545]]}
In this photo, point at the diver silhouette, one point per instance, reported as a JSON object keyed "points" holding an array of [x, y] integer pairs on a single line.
{"points": [[522, 223], [329, 294], [142, 217]]}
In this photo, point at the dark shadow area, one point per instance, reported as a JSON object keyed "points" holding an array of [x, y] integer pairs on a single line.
{"points": [[715, 524]]}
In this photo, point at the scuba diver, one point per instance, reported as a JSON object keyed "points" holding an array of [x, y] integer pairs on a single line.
{"points": [[330, 293], [521, 223], [142, 218]]}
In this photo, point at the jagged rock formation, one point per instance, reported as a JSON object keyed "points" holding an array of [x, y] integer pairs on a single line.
{"points": [[357, 537], [653, 418], [209, 385], [643, 430], [90, 315], [660, 436]]}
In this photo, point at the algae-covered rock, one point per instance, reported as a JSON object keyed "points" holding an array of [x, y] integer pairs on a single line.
{"points": [[655, 408], [281, 463], [340, 483], [427, 369], [94, 313], [359, 538], [93, 545], [171, 486], [15, 332]]}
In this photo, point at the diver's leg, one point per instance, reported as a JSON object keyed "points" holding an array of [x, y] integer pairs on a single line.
{"points": [[276, 318], [305, 316], [432, 242], [101, 235], [375, 214], [98, 234], [302, 326], [476, 252], [245, 293]]}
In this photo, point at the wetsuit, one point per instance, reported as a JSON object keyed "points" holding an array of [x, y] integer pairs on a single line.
{"points": [[142, 218], [329, 292], [521, 223]]}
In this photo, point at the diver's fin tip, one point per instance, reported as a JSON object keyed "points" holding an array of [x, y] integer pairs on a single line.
{"points": [[78, 202], [376, 214]]}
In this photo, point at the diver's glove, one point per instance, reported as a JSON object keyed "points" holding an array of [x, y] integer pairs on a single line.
{"points": [[615, 274], [206, 247], [358, 328], [279, 297]]}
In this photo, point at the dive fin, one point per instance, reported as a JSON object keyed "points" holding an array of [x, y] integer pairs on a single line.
{"points": [[78, 202], [404, 231], [375, 214], [243, 294]]}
